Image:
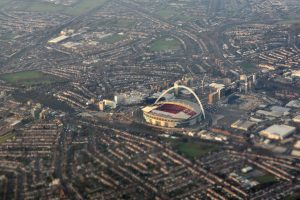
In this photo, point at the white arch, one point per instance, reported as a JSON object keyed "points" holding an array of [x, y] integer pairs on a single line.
{"points": [[188, 89], [202, 82]]}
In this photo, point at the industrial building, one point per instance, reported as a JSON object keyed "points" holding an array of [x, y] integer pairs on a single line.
{"points": [[244, 125], [278, 132], [296, 119], [58, 39], [106, 104], [294, 104], [296, 149]]}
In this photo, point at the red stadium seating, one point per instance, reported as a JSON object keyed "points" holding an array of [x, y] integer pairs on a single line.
{"points": [[174, 109]]}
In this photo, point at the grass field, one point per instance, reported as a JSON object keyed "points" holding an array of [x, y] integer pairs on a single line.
{"points": [[195, 149], [29, 78], [8, 35], [169, 140], [184, 18], [84, 6], [44, 7], [166, 13], [165, 44], [248, 66], [290, 21], [292, 197], [113, 38], [81, 7], [266, 179], [123, 23], [3, 2], [4, 138]]}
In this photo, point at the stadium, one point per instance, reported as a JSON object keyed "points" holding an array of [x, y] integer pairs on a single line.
{"points": [[176, 113]]}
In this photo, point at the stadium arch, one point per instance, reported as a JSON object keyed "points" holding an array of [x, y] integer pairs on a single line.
{"points": [[186, 88]]}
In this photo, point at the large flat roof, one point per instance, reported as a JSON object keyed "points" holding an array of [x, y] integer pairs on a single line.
{"points": [[297, 119], [294, 104], [217, 85], [242, 124], [58, 39], [268, 113], [280, 109], [279, 130]]}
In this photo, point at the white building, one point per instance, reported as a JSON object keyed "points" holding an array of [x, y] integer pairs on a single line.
{"points": [[296, 119], [278, 132], [294, 104]]}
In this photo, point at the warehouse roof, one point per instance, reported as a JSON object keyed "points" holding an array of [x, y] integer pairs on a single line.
{"points": [[279, 130]]}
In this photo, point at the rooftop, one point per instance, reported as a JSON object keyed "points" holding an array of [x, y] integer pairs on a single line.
{"points": [[268, 113], [279, 130], [294, 104], [243, 124], [297, 145], [280, 109], [297, 119], [217, 85]]}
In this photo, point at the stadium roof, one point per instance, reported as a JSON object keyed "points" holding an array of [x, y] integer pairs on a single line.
{"points": [[148, 108], [179, 115], [179, 109]]}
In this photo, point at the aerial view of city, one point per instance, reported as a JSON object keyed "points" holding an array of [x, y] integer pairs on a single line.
{"points": [[149, 99]]}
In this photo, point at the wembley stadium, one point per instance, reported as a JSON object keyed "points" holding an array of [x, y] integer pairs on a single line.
{"points": [[176, 113]]}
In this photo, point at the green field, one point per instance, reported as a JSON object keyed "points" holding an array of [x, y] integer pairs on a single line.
{"points": [[29, 78], [166, 13], [248, 67], [195, 149], [44, 7], [122, 23], [84, 6], [3, 2], [169, 140], [113, 38], [266, 179], [184, 18], [79, 8], [165, 44], [4, 138], [9, 35], [290, 21], [172, 13], [292, 197]]}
